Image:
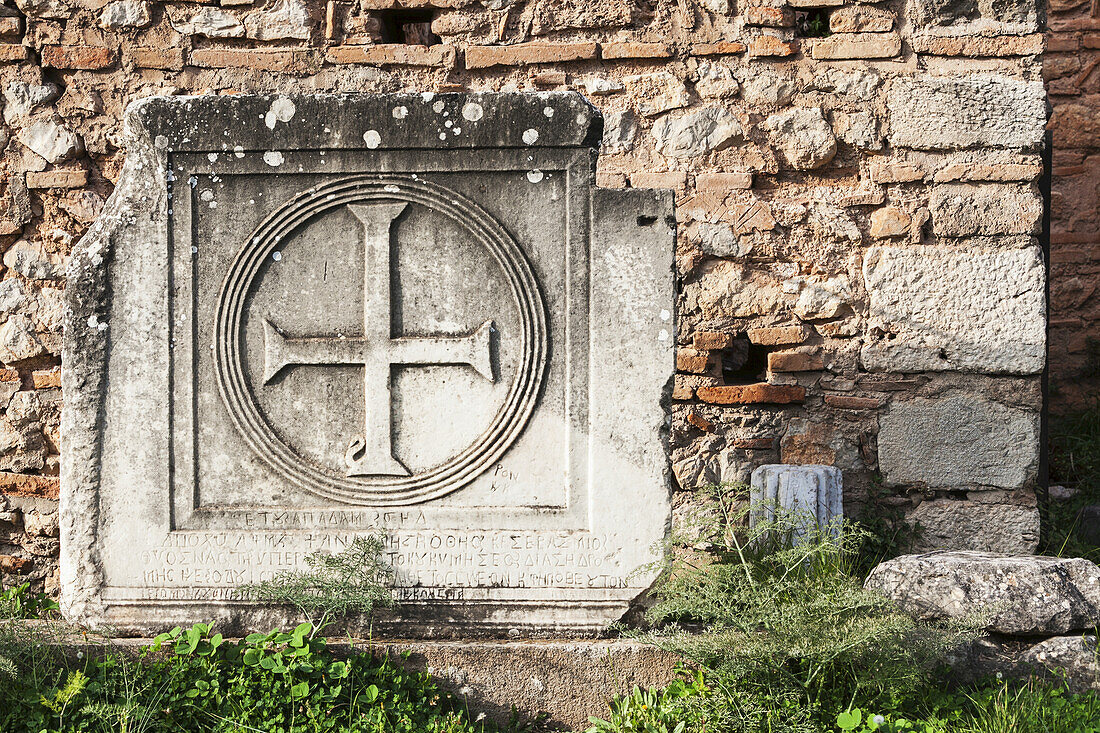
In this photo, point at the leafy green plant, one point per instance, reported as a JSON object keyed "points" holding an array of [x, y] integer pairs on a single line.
{"points": [[19, 602], [1075, 463], [195, 680], [355, 580], [787, 625]]}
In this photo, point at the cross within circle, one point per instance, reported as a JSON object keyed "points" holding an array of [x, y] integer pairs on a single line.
{"points": [[376, 351], [373, 476]]}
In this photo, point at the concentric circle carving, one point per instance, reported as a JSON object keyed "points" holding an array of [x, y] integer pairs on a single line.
{"points": [[456, 472]]}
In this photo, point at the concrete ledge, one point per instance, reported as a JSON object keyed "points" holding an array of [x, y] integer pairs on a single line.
{"points": [[569, 679]]}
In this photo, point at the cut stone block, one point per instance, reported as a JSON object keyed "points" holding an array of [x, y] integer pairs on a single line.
{"points": [[348, 314], [1023, 595], [958, 441], [950, 113], [948, 309]]}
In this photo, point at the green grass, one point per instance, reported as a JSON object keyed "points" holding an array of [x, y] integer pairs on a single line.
{"points": [[707, 703], [196, 681], [1074, 463]]}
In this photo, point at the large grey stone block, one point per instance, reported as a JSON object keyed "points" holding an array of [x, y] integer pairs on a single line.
{"points": [[947, 309], [951, 524], [977, 110], [958, 441], [1020, 595], [303, 319]]}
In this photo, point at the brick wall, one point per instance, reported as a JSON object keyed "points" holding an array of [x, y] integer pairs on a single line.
{"points": [[1071, 68], [856, 201]]}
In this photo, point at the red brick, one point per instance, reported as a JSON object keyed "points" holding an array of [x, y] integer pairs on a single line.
{"points": [[700, 422], [668, 179], [847, 402], [393, 54], [752, 394], [777, 335], [895, 172], [769, 17], [632, 50], [722, 48], [9, 226], [152, 57], [289, 60], [12, 564], [25, 484], [978, 46], [11, 26], [1063, 43], [753, 443], [723, 181], [46, 378], [711, 340], [549, 79], [77, 178], [771, 46], [13, 52], [794, 361], [993, 172], [78, 57], [857, 46], [534, 52], [694, 360]]}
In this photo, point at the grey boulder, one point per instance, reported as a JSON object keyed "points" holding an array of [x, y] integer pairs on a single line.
{"points": [[1015, 595]]}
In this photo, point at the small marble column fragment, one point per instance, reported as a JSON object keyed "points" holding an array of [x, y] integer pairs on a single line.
{"points": [[814, 493]]}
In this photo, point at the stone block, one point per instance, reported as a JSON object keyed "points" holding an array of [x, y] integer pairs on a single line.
{"points": [[958, 441], [971, 17], [533, 52], [1074, 660], [857, 46], [152, 57], [697, 133], [635, 50], [395, 351], [13, 53], [77, 57], [393, 54], [1024, 596], [769, 46], [948, 524], [956, 112], [295, 61], [948, 309], [963, 210], [778, 335], [861, 19], [803, 136], [808, 496]]}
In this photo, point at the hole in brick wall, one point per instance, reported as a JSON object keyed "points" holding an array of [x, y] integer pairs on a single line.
{"points": [[744, 362], [812, 23], [411, 27]]}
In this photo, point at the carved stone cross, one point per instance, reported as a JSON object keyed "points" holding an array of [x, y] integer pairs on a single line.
{"points": [[377, 350]]}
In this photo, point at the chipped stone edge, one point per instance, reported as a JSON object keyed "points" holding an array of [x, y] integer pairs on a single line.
{"points": [[84, 354]]}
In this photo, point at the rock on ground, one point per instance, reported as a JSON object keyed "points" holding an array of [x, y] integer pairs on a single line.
{"points": [[1016, 595], [1072, 658]]}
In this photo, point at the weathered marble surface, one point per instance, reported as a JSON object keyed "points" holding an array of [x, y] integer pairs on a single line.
{"points": [[305, 318]]}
